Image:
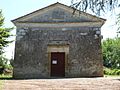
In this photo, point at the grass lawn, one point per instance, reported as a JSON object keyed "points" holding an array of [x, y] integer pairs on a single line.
{"points": [[112, 76], [2, 78], [5, 76], [1, 84]]}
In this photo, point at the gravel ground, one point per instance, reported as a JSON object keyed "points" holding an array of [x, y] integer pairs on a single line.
{"points": [[64, 84]]}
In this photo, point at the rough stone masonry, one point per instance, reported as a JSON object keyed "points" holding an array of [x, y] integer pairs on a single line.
{"points": [[56, 29]]}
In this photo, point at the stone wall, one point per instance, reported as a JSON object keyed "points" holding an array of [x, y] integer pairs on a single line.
{"points": [[31, 56]]}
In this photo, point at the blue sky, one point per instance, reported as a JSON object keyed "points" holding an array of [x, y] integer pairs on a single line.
{"points": [[15, 8]]}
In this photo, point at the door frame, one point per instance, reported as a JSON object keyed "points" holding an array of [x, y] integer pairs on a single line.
{"points": [[58, 48]]}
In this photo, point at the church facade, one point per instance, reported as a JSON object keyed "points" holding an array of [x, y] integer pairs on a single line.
{"points": [[54, 42]]}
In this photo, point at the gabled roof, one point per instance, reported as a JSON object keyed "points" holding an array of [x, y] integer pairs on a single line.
{"points": [[65, 7]]}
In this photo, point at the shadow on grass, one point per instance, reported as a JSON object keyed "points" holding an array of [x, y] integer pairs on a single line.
{"points": [[118, 79], [6, 78]]}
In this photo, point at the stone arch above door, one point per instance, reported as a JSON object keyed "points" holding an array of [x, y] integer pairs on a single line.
{"points": [[58, 48]]}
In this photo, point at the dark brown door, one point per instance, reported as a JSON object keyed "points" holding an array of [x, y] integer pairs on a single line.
{"points": [[58, 64]]}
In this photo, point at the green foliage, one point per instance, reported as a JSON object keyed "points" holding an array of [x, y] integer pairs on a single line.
{"points": [[4, 41], [111, 53], [108, 71], [5, 77], [9, 66], [5, 65], [4, 34], [96, 6], [3, 61]]}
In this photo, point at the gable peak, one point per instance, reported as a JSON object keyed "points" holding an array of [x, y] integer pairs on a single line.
{"points": [[59, 5]]}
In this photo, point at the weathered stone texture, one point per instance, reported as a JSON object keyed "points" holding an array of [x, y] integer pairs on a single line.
{"points": [[59, 15], [31, 57]]}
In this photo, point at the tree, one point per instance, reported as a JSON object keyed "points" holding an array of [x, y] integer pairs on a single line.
{"points": [[4, 34], [118, 24], [111, 52], [96, 6], [4, 41]]}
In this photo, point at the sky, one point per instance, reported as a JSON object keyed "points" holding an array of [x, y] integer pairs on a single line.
{"points": [[12, 9]]}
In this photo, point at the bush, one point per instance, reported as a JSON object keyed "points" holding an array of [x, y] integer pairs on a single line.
{"points": [[8, 67], [111, 53], [3, 61], [5, 67]]}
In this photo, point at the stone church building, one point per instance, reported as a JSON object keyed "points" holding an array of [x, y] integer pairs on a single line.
{"points": [[55, 42]]}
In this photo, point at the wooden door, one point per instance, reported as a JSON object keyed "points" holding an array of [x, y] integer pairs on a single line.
{"points": [[58, 64]]}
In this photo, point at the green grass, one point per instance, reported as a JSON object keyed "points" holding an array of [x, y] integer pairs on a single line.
{"points": [[111, 72], [5, 76], [112, 76], [1, 84]]}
